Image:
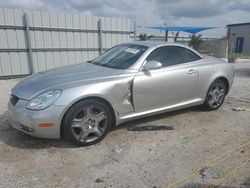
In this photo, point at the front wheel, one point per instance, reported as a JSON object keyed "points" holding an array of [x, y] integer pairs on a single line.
{"points": [[215, 95], [87, 122]]}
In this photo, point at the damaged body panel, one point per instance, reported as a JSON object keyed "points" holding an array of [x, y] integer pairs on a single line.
{"points": [[117, 92]]}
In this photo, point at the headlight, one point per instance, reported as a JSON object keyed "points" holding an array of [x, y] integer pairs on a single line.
{"points": [[44, 100]]}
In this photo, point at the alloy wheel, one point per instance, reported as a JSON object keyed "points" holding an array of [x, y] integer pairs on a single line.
{"points": [[216, 95], [89, 124]]}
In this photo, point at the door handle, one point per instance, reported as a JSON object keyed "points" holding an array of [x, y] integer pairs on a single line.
{"points": [[192, 71]]}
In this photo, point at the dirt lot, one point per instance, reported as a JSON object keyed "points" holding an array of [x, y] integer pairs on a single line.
{"points": [[200, 148]]}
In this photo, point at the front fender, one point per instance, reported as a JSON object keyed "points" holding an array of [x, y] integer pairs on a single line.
{"points": [[117, 92]]}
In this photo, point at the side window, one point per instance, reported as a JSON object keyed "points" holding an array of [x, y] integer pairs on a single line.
{"points": [[159, 54], [172, 55], [186, 55]]}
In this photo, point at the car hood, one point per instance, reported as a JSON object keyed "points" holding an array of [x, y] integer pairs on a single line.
{"points": [[69, 76]]}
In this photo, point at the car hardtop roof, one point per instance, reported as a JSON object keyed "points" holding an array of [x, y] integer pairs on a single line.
{"points": [[151, 43]]}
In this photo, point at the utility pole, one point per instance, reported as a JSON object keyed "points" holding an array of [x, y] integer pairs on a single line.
{"points": [[166, 32], [166, 35], [134, 30]]}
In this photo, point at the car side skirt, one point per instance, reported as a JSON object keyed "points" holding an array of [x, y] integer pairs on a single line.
{"points": [[181, 105]]}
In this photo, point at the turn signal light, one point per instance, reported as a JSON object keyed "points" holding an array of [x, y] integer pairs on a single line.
{"points": [[46, 125]]}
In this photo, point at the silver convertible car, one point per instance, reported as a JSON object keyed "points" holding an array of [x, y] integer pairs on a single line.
{"points": [[133, 80]]}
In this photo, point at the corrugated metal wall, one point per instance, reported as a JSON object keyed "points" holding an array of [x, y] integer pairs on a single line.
{"points": [[41, 40]]}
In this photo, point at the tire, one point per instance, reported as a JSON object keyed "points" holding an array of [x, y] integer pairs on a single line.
{"points": [[215, 95], [87, 122]]}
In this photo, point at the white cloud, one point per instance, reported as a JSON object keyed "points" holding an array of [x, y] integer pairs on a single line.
{"points": [[152, 12]]}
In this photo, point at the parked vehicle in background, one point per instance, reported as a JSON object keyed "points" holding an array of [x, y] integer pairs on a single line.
{"points": [[129, 81]]}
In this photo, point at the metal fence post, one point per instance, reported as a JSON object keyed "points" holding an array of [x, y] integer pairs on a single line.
{"points": [[166, 35], [29, 47], [134, 30], [100, 35]]}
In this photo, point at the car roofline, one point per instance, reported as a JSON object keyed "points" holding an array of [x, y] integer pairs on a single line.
{"points": [[155, 44]]}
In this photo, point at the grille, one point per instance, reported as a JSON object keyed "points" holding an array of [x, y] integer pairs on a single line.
{"points": [[14, 99]]}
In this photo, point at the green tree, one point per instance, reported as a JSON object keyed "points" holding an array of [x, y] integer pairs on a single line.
{"points": [[195, 41], [144, 36], [176, 36]]}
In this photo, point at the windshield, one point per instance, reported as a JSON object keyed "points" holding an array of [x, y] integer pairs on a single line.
{"points": [[120, 57]]}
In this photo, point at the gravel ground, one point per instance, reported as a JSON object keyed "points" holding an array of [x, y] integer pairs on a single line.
{"points": [[132, 157]]}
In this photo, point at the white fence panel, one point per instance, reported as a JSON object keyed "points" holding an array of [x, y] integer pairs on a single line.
{"points": [[56, 39]]}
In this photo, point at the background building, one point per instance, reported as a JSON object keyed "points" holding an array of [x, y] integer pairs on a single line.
{"points": [[239, 38]]}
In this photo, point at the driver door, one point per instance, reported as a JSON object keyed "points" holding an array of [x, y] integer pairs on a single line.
{"points": [[172, 84]]}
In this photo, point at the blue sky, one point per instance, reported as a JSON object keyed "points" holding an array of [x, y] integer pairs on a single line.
{"points": [[152, 12]]}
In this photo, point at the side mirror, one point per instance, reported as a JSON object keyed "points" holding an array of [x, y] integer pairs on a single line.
{"points": [[151, 65]]}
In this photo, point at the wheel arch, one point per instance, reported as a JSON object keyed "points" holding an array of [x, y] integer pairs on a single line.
{"points": [[85, 98], [225, 80]]}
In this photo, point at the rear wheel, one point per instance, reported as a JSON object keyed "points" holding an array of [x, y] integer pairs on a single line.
{"points": [[87, 122], [215, 95]]}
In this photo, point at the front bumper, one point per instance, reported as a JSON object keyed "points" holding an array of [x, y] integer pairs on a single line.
{"points": [[28, 121]]}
